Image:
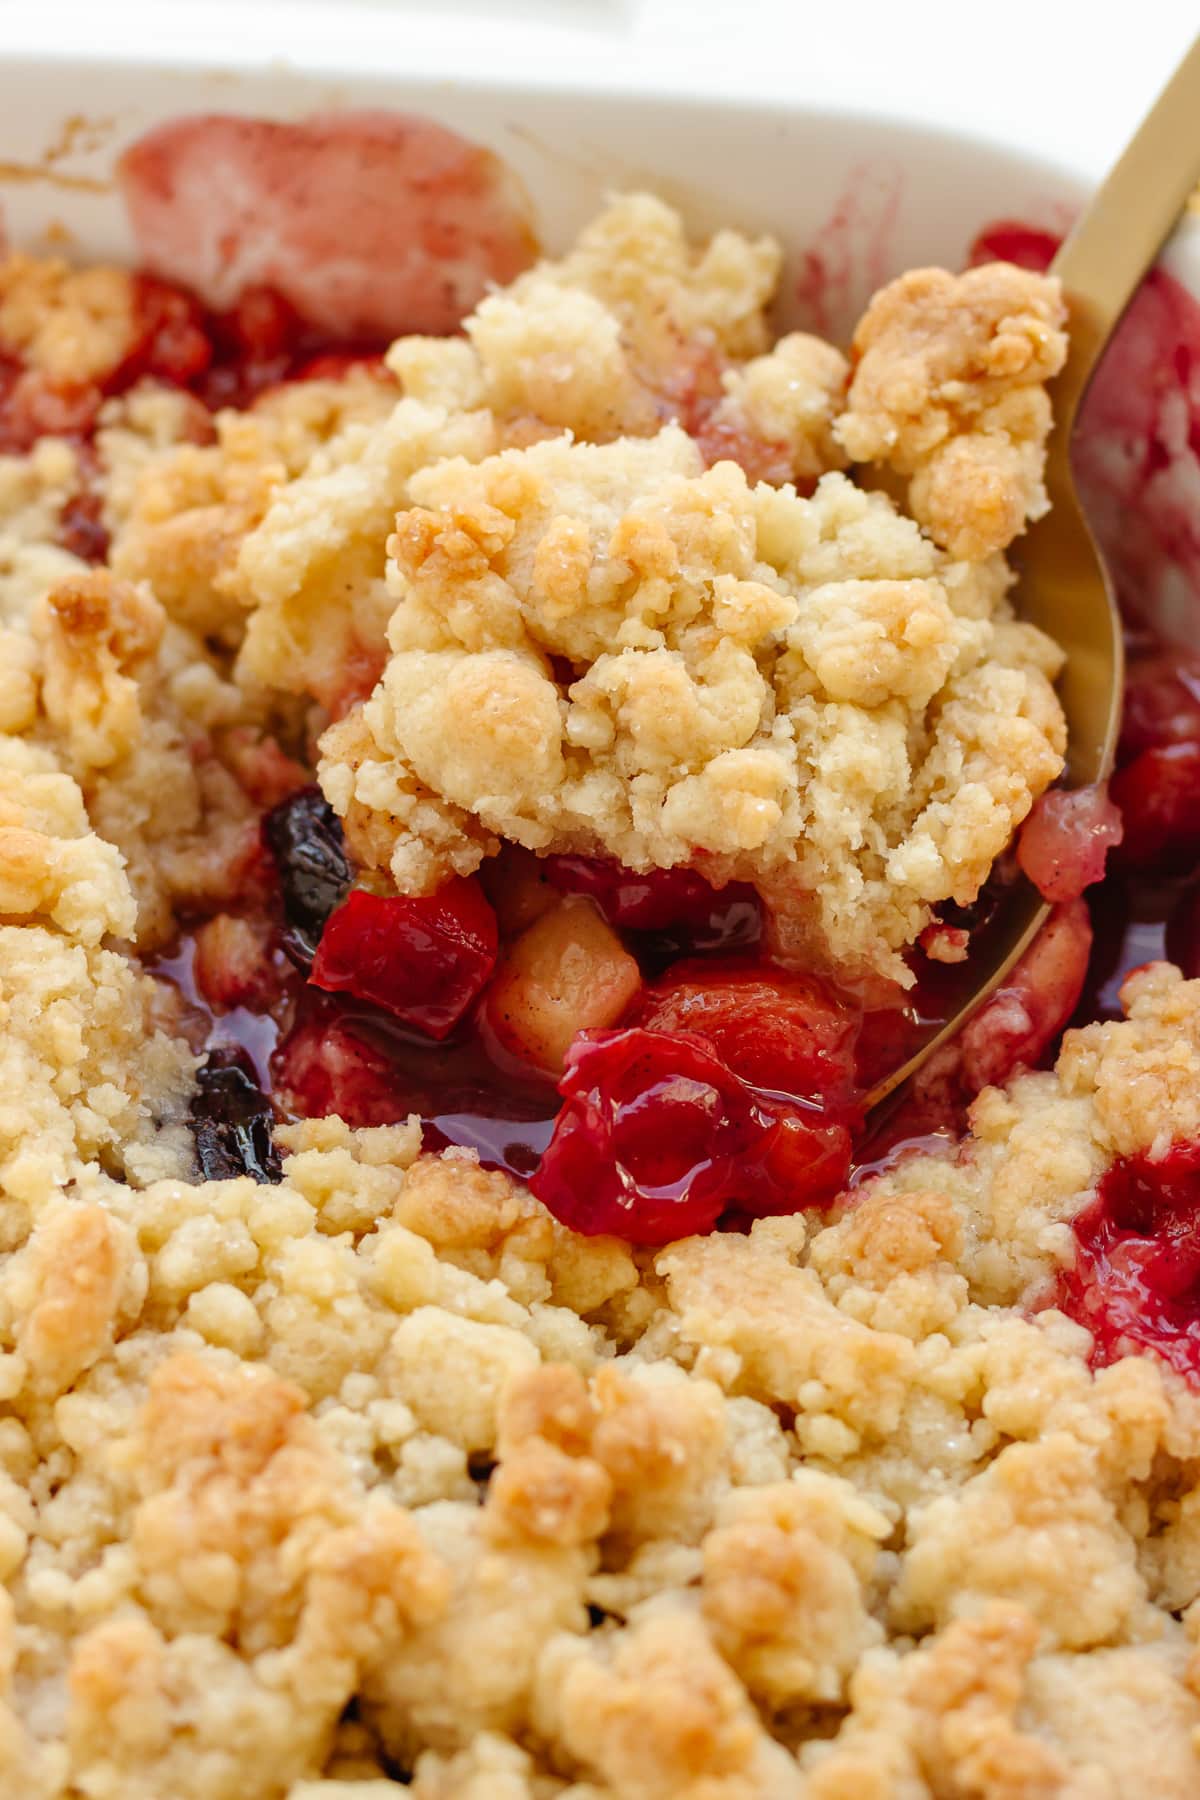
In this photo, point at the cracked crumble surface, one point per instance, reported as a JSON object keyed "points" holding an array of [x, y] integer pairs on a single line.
{"points": [[824, 1511]]}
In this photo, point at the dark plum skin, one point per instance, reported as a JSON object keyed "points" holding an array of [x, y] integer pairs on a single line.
{"points": [[304, 835], [231, 1120]]}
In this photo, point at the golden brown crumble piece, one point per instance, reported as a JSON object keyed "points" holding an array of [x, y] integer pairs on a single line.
{"points": [[948, 388], [74, 325]]}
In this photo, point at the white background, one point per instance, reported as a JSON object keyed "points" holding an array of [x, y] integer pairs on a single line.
{"points": [[1062, 77]]}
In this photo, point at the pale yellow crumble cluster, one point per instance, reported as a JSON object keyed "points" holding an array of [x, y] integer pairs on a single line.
{"points": [[949, 389], [600, 645], [799, 692], [379, 1476]]}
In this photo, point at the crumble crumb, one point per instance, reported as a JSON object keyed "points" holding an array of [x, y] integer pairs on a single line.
{"points": [[949, 389]]}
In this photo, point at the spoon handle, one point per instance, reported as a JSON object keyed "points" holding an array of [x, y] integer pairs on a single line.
{"points": [[1125, 225]]}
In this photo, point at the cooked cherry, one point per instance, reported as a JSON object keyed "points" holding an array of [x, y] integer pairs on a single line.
{"points": [[324, 1066], [1136, 1279], [785, 1032], [423, 958], [1159, 797], [658, 1137], [675, 901], [260, 325], [173, 344], [1162, 703], [304, 835], [230, 1120], [1065, 840]]}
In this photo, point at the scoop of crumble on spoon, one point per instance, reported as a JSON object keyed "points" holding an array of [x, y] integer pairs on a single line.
{"points": [[1064, 585]]}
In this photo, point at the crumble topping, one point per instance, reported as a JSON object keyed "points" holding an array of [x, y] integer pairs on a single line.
{"points": [[767, 1463], [797, 692], [670, 664], [380, 1472], [949, 389]]}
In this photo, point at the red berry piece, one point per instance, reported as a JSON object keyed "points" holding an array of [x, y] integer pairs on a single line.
{"points": [[787, 1033], [1162, 704], [173, 345], [1136, 1279], [324, 1067], [424, 958], [260, 325], [658, 1138], [335, 365], [1065, 840], [1159, 797], [81, 527], [670, 900]]}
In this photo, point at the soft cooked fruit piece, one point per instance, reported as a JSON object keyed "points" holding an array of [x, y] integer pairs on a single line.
{"points": [[1136, 1279], [1159, 797], [172, 343], [304, 835], [660, 900], [1065, 840], [325, 1068], [786, 1032], [233, 963], [231, 1119], [1183, 934], [658, 1138], [1162, 703], [424, 958], [1016, 1025], [568, 972]]}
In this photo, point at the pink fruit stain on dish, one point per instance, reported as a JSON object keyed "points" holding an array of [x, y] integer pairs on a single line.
{"points": [[1137, 450], [368, 223], [850, 255]]}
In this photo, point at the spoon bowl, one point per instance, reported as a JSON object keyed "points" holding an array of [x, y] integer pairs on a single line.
{"points": [[1064, 586]]}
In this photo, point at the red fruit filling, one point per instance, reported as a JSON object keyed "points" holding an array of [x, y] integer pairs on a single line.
{"points": [[1136, 1279], [1065, 840], [326, 1067], [730, 1091], [781, 1031], [425, 959], [1159, 797], [1162, 703], [224, 359], [658, 1138], [662, 900]]}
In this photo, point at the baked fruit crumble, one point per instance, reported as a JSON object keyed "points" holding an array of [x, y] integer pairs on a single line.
{"points": [[478, 816]]}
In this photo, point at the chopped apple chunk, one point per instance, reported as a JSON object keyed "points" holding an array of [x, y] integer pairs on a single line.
{"points": [[567, 972]]}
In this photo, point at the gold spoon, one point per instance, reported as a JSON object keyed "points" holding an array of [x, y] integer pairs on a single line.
{"points": [[1065, 587]]}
